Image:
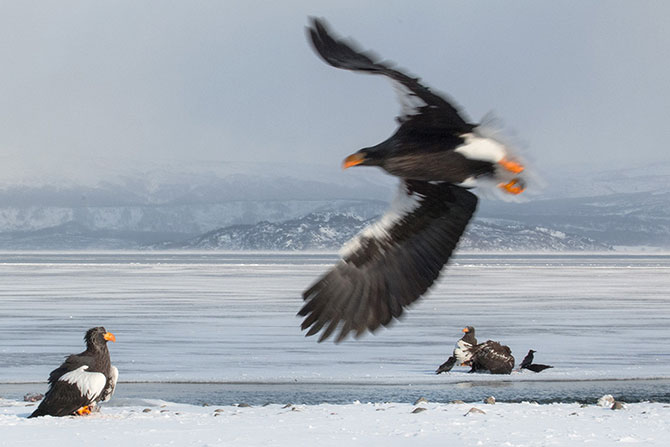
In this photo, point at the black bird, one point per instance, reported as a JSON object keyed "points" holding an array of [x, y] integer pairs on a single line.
{"points": [[82, 380], [436, 154], [528, 359], [493, 357], [462, 351], [527, 363]]}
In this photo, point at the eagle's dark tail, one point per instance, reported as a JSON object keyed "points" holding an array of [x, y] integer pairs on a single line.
{"points": [[37, 413]]}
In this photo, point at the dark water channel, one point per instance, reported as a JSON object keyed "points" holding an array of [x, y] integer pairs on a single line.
{"points": [[655, 390]]}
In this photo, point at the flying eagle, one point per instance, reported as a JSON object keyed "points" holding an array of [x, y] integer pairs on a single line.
{"points": [[437, 155]]}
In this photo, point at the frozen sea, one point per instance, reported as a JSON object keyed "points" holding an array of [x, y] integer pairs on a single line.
{"points": [[221, 328]]}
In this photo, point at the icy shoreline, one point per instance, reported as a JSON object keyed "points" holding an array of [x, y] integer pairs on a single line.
{"points": [[312, 393]]}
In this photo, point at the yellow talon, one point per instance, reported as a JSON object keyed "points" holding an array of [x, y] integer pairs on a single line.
{"points": [[85, 410], [513, 187], [511, 166]]}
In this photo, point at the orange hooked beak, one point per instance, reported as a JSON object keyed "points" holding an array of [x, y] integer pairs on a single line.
{"points": [[466, 330], [109, 336], [353, 160]]}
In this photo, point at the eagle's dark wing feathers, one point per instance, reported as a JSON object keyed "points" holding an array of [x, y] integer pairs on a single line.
{"points": [[391, 263], [417, 100]]}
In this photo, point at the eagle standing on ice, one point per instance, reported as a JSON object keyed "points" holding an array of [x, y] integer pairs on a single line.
{"points": [[493, 357], [462, 351], [82, 380], [436, 154], [489, 356]]}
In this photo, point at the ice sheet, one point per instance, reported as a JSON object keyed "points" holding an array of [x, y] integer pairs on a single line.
{"points": [[231, 317]]}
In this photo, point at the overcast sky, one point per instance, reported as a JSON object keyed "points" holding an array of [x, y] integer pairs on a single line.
{"points": [[84, 84]]}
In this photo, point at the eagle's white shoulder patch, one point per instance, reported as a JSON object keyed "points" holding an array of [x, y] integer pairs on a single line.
{"points": [[90, 384], [481, 148], [462, 351]]}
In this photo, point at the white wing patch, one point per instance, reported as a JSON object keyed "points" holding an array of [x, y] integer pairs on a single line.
{"points": [[90, 384], [479, 148], [403, 204], [462, 351], [486, 146]]}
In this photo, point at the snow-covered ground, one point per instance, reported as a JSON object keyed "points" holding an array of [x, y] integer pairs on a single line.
{"points": [[129, 424]]}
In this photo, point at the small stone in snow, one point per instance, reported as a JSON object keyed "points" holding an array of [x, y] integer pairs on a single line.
{"points": [[617, 406], [33, 397], [421, 400], [474, 410], [219, 410], [419, 410], [243, 405], [456, 402], [146, 410], [287, 406], [606, 401], [490, 400]]}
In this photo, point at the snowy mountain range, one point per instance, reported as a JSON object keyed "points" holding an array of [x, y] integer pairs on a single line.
{"points": [[576, 211], [329, 231]]}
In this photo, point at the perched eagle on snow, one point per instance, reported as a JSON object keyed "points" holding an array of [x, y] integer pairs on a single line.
{"points": [[83, 380]]}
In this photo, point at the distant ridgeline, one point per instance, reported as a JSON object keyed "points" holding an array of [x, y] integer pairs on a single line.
{"points": [[238, 215], [329, 231]]}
